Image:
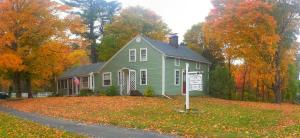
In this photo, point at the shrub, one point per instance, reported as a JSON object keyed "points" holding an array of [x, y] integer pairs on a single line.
{"points": [[112, 91], [292, 86], [135, 93], [221, 83], [298, 98], [149, 92], [86, 92], [101, 93]]}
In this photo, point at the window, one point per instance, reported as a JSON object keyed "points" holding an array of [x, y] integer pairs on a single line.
{"points": [[143, 54], [177, 62], [132, 55], [176, 77], [143, 77], [106, 79], [197, 65], [84, 82]]}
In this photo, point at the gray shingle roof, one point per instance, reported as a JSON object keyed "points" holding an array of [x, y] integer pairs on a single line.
{"points": [[182, 52], [82, 70]]}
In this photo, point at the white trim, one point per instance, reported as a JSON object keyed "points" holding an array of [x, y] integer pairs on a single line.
{"points": [[198, 65], [131, 70], [163, 79], [145, 76], [188, 59], [176, 61], [141, 54], [110, 78], [130, 55], [175, 70], [81, 82]]}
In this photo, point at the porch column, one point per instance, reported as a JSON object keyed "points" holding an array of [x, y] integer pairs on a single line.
{"points": [[68, 87], [56, 85]]}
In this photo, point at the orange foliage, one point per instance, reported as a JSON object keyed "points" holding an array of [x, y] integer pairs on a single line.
{"points": [[35, 41]]}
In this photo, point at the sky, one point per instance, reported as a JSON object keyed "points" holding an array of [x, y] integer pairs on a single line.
{"points": [[180, 15]]}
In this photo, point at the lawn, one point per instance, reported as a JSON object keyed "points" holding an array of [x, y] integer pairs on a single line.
{"points": [[12, 127], [216, 118]]}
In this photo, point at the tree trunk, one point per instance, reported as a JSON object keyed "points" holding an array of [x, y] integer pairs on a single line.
{"points": [[257, 90], [93, 38], [17, 84], [263, 93], [244, 82], [277, 85], [229, 69], [28, 85]]}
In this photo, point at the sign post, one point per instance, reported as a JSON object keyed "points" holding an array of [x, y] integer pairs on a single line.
{"points": [[187, 95]]}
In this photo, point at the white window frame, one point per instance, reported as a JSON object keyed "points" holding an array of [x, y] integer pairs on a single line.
{"points": [[134, 55], [177, 62], [141, 76], [81, 83], [198, 65], [110, 78], [175, 77], [146, 59]]}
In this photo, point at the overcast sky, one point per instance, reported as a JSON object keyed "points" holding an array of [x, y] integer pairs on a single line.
{"points": [[180, 15]]}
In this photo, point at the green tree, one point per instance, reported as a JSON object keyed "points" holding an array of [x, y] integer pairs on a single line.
{"points": [[287, 16], [131, 22], [221, 83], [95, 14], [194, 38], [292, 87]]}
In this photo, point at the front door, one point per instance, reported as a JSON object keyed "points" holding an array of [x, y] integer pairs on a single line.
{"points": [[128, 81]]}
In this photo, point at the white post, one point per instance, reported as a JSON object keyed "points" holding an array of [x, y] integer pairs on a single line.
{"points": [[187, 95]]}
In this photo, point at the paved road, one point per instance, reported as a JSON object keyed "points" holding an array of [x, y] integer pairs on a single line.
{"points": [[90, 130]]}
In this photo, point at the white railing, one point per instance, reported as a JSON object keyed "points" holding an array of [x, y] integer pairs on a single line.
{"points": [[38, 95]]}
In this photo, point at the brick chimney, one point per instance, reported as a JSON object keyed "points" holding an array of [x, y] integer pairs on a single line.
{"points": [[173, 40]]}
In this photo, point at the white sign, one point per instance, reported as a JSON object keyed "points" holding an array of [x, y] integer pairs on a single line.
{"points": [[195, 81]]}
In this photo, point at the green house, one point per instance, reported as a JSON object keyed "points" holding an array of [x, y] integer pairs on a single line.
{"points": [[141, 63]]}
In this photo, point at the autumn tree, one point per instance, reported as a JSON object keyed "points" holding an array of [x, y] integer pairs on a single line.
{"points": [[246, 32], [29, 29], [194, 39], [287, 16], [131, 22], [95, 14]]}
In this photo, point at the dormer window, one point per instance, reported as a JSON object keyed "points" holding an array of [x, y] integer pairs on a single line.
{"points": [[177, 62], [143, 54], [132, 55]]}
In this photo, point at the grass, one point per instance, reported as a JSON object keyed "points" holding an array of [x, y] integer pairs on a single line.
{"points": [[12, 127], [216, 118]]}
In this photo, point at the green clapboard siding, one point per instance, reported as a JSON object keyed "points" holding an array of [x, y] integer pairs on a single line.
{"points": [[121, 60], [171, 88]]}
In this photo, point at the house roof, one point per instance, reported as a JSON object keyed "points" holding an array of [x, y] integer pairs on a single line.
{"points": [[181, 52], [82, 70]]}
